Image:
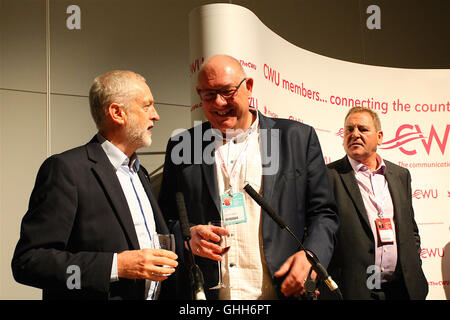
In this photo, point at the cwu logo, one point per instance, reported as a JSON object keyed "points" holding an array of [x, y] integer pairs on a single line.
{"points": [[425, 194], [407, 133]]}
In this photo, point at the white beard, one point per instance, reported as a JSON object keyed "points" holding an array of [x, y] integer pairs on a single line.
{"points": [[138, 137]]}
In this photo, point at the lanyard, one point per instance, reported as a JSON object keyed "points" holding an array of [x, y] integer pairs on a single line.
{"points": [[378, 201], [234, 169]]}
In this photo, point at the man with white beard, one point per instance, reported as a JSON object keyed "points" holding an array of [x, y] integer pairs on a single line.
{"points": [[91, 228]]}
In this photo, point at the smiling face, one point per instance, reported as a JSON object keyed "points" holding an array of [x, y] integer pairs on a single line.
{"points": [[222, 73], [361, 138]]}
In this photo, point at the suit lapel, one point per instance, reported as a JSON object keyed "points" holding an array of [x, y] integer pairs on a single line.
{"points": [[266, 136], [349, 181], [394, 187], [209, 171], [105, 173]]}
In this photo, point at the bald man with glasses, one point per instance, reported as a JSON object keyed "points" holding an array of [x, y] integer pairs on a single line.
{"points": [[263, 262]]}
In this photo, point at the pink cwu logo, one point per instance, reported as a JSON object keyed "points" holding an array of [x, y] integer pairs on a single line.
{"points": [[407, 133]]}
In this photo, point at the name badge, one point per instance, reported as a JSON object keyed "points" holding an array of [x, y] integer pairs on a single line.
{"points": [[385, 231], [233, 208]]}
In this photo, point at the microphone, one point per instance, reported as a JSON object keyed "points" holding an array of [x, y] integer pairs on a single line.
{"points": [[317, 267], [194, 270], [182, 214]]}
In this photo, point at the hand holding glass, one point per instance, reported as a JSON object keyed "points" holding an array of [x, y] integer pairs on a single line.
{"points": [[167, 242]]}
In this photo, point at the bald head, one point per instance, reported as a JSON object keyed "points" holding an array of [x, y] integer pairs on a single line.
{"points": [[220, 64]]}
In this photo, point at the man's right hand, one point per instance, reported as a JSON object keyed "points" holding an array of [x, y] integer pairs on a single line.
{"points": [[150, 264], [204, 241]]}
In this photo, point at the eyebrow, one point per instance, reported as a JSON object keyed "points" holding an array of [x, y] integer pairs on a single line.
{"points": [[229, 86], [356, 126]]}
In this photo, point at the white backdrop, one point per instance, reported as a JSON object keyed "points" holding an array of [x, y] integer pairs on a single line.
{"points": [[291, 82]]}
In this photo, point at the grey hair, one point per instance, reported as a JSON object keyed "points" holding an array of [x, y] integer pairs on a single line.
{"points": [[113, 86], [373, 114]]}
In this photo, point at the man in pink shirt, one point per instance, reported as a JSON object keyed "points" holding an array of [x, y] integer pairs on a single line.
{"points": [[378, 251]]}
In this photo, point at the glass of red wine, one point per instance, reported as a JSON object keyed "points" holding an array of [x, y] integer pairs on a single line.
{"points": [[225, 245]]}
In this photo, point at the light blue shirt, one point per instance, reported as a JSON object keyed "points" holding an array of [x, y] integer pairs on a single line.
{"points": [[138, 203]]}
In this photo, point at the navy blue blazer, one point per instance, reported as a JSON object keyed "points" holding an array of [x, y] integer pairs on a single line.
{"points": [[299, 191], [78, 215]]}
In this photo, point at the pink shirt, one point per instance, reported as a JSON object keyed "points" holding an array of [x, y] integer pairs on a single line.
{"points": [[378, 202]]}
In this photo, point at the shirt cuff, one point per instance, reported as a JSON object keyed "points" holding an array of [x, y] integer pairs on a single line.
{"points": [[114, 271]]}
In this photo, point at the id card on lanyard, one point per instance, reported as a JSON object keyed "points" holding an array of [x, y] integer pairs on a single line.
{"points": [[233, 208], [383, 225], [233, 203], [385, 230]]}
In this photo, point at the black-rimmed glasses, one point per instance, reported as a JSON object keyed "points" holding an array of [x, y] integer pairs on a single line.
{"points": [[226, 93]]}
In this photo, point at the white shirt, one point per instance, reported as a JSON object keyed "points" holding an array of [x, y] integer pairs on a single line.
{"points": [[138, 203], [244, 267]]}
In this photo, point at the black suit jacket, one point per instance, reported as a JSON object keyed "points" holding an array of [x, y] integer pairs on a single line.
{"points": [[298, 190], [78, 215], [355, 249]]}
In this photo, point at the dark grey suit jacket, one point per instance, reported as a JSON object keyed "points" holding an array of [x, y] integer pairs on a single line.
{"points": [[355, 245], [299, 191], [78, 215]]}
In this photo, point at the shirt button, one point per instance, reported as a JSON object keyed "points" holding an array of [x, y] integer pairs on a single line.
{"points": [[232, 265]]}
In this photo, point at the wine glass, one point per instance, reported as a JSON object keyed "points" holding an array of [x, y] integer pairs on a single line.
{"points": [[225, 244], [166, 242]]}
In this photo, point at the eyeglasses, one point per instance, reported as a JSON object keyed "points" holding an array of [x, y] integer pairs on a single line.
{"points": [[226, 93]]}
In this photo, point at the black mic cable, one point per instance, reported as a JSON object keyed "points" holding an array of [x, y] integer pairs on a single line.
{"points": [[317, 267], [195, 272]]}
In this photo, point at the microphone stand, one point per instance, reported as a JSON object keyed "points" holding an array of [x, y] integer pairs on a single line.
{"points": [[321, 272], [310, 288], [196, 275]]}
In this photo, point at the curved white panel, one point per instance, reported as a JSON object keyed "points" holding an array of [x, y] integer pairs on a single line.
{"points": [[291, 82]]}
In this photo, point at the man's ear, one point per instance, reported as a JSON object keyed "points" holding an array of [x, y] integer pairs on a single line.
{"points": [[116, 113], [380, 137], [249, 84]]}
